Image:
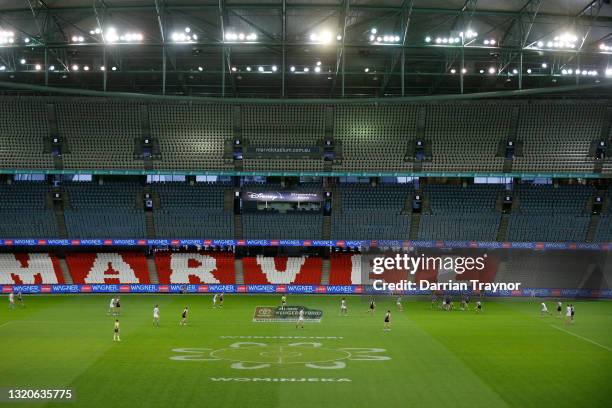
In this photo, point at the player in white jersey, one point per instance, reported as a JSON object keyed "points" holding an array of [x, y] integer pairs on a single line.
{"points": [[11, 300], [111, 307], [300, 320], [398, 303], [387, 326], [156, 315], [543, 309], [215, 296], [116, 331], [343, 308], [568, 313], [478, 307]]}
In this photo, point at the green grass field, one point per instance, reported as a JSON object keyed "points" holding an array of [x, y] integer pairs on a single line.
{"points": [[507, 356]]}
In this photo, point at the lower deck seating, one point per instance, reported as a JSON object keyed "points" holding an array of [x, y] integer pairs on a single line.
{"points": [[195, 267], [462, 227], [30, 269], [109, 268], [345, 269], [604, 229], [263, 270]]}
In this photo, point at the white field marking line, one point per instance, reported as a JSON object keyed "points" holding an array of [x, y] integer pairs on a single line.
{"points": [[4, 324], [581, 337]]}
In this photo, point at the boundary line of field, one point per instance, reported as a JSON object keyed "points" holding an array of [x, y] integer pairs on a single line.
{"points": [[581, 337]]}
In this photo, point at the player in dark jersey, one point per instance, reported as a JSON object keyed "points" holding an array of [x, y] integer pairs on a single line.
{"points": [[116, 331], [184, 316], [387, 326], [117, 307], [221, 299], [372, 307]]}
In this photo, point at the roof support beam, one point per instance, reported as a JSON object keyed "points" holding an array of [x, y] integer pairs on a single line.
{"points": [[340, 55], [400, 56]]}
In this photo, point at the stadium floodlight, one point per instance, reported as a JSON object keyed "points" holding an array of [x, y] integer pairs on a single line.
{"points": [[339, 37], [26, 40], [544, 65], [608, 72], [438, 40], [2, 68], [248, 69], [292, 68], [492, 70], [86, 68], [385, 39], [260, 68], [111, 35], [234, 69], [238, 37], [51, 67], [75, 67], [324, 37], [37, 67], [113, 68], [317, 69], [7, 37], [453, 70], [464, 70], [529, 70], [373, 30], [427, 39], [185, 36], [22, 61], [515, 71], [366, 69], [274, 68], [102, 68], [570, 71], [318, 63], [306, 69], [200, 69], [481, 71], [605, 47]]}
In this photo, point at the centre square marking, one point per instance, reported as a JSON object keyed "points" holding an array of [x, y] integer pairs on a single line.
{"points": [[256, 355], [280, 354]]}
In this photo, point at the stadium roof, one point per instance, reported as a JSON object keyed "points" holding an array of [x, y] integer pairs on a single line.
{"points": [[305, 49]]}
